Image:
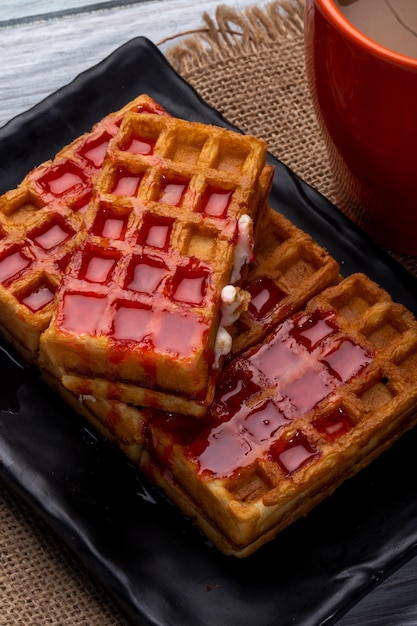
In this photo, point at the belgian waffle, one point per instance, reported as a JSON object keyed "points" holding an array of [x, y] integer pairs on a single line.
{"points": [[39, 222], [142, 313], [324, 394]]}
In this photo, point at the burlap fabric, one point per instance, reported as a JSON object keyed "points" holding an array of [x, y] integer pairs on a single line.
{"points": [[250, 66]]}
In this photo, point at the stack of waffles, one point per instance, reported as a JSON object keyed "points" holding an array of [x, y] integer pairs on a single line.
{"points": [[159, 263], [207, 336]]}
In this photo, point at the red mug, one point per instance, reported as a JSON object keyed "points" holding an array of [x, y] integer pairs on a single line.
{"points": [[365, 97]]}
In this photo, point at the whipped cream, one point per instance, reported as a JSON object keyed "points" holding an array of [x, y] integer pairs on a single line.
{"points": [[244, 247], [232, 299], [222, 346]]}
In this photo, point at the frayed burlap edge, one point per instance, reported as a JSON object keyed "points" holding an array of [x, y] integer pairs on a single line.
{"points": [[239, 33], [234, 32]]}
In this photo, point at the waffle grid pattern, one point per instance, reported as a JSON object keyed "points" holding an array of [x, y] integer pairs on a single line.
{"points": [[375, 342], [327, 391], [39, 222], [159, 246]]}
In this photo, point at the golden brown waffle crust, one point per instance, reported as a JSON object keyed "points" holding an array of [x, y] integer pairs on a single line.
{"points": [[245, 508], [39, 222], [176, 354]]}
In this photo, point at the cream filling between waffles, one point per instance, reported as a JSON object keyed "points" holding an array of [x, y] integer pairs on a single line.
{"points": [[244, 248], [232, 297]]}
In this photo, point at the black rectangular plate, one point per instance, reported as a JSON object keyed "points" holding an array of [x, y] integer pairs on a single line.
{"points": [[140, 546]]}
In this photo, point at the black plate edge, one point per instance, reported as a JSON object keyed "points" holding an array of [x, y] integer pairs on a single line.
{"points": [[313, 198]]}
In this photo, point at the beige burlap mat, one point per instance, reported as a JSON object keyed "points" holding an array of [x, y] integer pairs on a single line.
{"points": [[250, 66], [254, 74]]}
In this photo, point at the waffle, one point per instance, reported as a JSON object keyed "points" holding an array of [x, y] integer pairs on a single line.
{"points": [[288, 269], [143, 312], [324, 394], [39, 223]]}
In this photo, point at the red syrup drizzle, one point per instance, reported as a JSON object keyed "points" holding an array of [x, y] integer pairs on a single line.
{"points": [[216, 202], [299, 365], [265, 295], [12, 264], [62, 263], [50, 235], [145, 274], [190, 284], [311, 331], [97, 268], [232, 391], [140, 145], [151, 107], [126, 184], [63, 179], [172, 192], [132, 323], [167, 332], [81, 204], [190, 290], [180, 333], [334, 424], [94, 150], [343, 360], [82, 313], [156, 232], [110, 225], [293, 453], [264, 421]]}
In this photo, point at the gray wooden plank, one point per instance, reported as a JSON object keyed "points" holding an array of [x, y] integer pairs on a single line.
{"points": [[39, 57]]}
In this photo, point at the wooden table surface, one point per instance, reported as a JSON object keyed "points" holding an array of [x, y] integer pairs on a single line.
{"points": [[44, 45]]}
